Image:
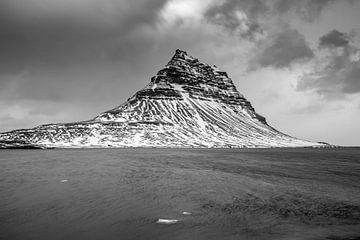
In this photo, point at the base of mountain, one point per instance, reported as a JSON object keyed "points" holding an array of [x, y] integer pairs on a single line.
{"points": [[28, 145], [20, 145]]}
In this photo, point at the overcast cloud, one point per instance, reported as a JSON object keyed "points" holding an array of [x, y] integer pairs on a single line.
{"points": [[70, 60], [284, 49], [308, 10], [334, 39], [337, 73], [239, 17]]}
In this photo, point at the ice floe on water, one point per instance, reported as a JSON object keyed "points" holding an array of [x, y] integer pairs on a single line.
{"points": [[171, 221], [166, 221]]}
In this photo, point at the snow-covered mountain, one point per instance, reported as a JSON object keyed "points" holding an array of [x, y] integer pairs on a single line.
{"points": [[187, 104]]}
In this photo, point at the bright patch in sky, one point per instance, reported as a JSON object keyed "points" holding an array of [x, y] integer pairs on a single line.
{"points": [[183, 10]]}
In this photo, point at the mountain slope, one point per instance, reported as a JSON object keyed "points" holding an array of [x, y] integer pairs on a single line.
{"points": [[187, 104]]}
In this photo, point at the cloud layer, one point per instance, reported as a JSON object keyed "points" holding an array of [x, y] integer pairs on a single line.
{"points": [[336, 73], [286, 48], [63, 32], [68, 60], [238, 17], [334, 39]]}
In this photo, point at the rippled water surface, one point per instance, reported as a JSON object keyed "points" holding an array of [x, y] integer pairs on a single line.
{"points": [[228, 194]]}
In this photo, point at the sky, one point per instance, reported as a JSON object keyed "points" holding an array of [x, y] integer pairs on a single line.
{"points": [[297, 61]]}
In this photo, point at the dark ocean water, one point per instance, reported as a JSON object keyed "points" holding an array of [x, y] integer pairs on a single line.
{"points": [[232, 194]]}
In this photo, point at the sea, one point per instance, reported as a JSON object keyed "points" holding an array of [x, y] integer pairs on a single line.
{"points": [[186, 194]]}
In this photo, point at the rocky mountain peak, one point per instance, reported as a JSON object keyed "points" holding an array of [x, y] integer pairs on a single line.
{"points": [[184, 74], [181, 54]]}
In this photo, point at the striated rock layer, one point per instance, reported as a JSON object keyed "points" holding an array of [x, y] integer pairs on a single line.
{"points": [[187, 104]]}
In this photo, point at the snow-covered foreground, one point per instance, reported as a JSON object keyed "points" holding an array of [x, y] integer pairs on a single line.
{"points": [[143, 193]]}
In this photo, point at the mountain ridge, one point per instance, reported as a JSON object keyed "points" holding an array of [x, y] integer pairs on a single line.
{"points": [[186, 104]]}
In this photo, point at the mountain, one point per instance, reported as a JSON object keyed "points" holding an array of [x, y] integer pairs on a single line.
{"points": [[186, 104]]}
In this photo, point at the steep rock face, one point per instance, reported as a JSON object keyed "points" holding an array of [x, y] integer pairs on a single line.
{"points": [[187, 104]]}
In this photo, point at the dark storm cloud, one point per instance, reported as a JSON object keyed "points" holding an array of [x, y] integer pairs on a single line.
{"points": [[336, 75], [63, 32], [308, 10], [249, 17], [253, 8], [239, 16], [284, 49], [334, 39]]}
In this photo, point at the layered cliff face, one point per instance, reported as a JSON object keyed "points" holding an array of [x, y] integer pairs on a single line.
{"points": [[187, 104]]}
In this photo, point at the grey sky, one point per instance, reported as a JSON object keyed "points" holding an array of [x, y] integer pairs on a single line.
{"points": [[297, 61]]}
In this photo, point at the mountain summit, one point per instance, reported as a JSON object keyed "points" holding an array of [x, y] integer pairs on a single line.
{"points": [[186, 104]]}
